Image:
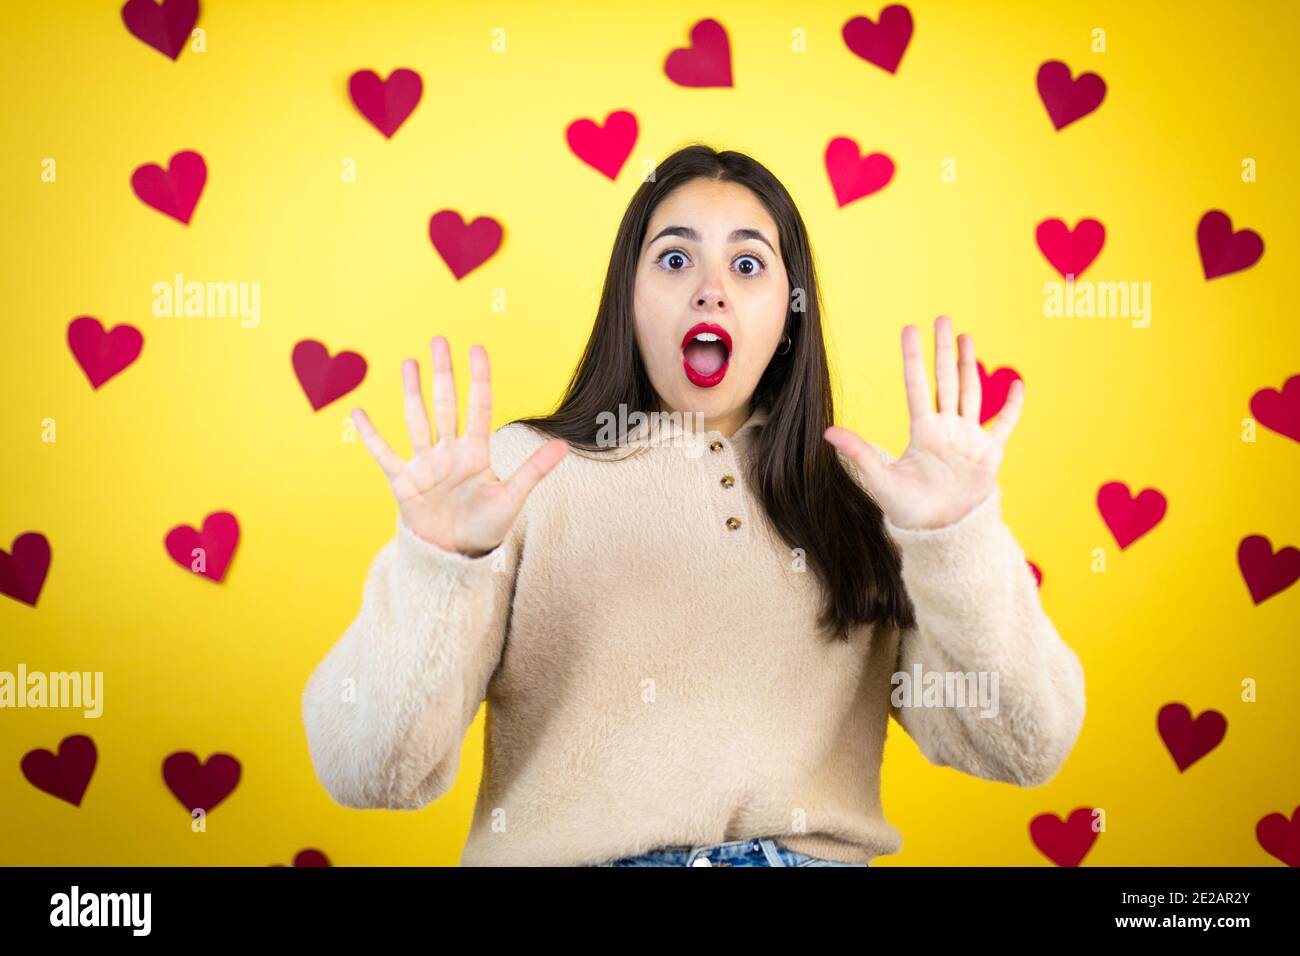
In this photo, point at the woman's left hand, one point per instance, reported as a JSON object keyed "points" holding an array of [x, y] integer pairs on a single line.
{"points": [[951, 462]]}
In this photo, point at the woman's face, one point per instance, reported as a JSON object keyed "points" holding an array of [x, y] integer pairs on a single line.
{"points": [[710, 275]]}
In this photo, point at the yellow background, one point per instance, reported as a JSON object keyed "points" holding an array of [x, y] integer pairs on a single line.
{"points": [[211, 418]]}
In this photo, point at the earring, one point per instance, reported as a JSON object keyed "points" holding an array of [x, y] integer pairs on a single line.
{"points": [[788, 343]]}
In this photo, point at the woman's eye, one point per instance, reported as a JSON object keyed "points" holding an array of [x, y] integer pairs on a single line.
{"points": [[673, 256], [756, 265]]}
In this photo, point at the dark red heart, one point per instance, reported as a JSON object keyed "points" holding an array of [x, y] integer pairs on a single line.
{"points": [[166, 27], [176, 191], [1279, 411], [994, 389], [67, 775], [200, 786], [706, 62], [1223, 251], [1038, 573], [325, 379], [101, 354], [23, 570], [604, 148], [464, 248], [1266, 573], [1189, 740], [386, 103], [1070, 251], [217, 542], [1127, 517], [854, 175], [1281, 837], [884, 43], [1068, 99], [1064, 842]]}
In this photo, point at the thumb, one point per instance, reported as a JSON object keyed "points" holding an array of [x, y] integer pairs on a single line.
{"points": [[871, 460]]}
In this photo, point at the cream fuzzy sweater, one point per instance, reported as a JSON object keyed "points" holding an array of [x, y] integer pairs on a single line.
{"points": [[653, 675]]}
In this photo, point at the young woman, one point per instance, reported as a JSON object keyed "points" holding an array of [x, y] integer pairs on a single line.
{"points": [[690, 650]]}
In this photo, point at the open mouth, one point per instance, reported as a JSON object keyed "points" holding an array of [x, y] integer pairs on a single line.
{"points": [[706, 353]]}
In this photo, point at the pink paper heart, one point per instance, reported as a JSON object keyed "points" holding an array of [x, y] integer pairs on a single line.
{"points": [[200, 786], [1189, 740], [1280, 836], [65, 775], [217, 542], [1064, 842], [386, 103], [1127, 517], [994, 389], [323, 378], [1070, 251], [604, 148], [1279, 411], [1068, 99], [23, 569], [706, 62], [853, 175], [166, 27], [176, 191], [882, 43], [1266, 573], [464, 248], [101, 354], [1223, 251]]}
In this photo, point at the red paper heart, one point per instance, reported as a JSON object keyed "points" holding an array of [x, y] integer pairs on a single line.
{"points": [[166, 27], [308, 858], [325, 379], [464, 248], [218, 540], [175, 192], [1070, 251], [1223, 251], [200, 786], [23, 570], [1127, 517], [1266, 573], [386, 103], [101, 354], [604, 148], [1281, 837], [1038, 573], [706, 62], [1068, 99], [1064, 842], [65, 776], [882, 44], [1189, 740], [854, 175], [1279, 411], [994, 389]]}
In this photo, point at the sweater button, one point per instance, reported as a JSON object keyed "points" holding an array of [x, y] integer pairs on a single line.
{"points": [[715, 445], [733, 522], [727, 481]]}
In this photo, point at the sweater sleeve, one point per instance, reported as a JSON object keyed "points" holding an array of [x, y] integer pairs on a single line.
{"points": [[978, 612], [388, 707]]}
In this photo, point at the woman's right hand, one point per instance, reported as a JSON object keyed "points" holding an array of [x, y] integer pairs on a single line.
{"points": [[447, 493]]}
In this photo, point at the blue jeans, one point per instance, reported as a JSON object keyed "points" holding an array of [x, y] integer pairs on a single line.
{"points": [[761, 852]]}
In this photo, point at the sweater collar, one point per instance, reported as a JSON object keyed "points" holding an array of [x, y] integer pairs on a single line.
{"points": [[668, 428]]}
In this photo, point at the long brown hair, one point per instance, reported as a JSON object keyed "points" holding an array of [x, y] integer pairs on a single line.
{"points": [[807, 494]]}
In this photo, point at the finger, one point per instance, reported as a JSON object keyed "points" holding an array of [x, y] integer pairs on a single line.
{"points": [[478, 418], [386, 457], [444, 389], [971, 391], [522, 482], [914, 378], [870, 458], [1010, 414], [945, 365], [417, 419]]}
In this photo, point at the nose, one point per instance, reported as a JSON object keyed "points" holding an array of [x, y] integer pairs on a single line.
{"points": [[710, 297]]}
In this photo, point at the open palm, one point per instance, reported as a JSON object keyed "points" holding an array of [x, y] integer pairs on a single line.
{"points": [[951, 462]]}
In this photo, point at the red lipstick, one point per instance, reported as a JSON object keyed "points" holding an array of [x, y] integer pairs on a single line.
{"points": [[709, 331]]}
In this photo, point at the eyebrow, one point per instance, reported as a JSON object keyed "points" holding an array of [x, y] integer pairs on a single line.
{"points": [[686, 232]]}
